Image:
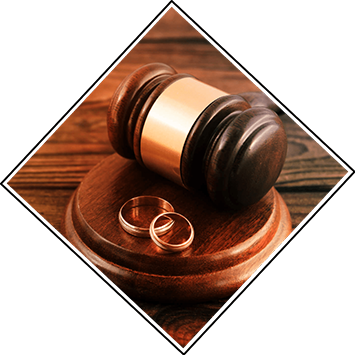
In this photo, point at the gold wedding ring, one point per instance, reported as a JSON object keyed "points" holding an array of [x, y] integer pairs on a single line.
{"points": [[130, 215], [165, 245]]}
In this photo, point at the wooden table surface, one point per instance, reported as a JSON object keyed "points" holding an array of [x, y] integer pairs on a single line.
{"points": [[50, 177]]}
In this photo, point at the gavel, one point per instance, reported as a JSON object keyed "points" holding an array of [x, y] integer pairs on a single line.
{"points": [[231, 147]]}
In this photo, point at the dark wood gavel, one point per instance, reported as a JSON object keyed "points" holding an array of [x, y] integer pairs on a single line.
{"points": [[231, 146]]}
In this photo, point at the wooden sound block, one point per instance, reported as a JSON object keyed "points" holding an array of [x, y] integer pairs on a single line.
{"points": [[227, 249]]}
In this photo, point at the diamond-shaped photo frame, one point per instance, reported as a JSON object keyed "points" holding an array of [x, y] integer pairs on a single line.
{"points": [[89, 144]]}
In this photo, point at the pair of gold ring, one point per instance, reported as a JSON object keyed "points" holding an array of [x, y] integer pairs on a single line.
{"points": [[154, 231]]}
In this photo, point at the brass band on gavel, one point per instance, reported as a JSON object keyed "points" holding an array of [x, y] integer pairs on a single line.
{"points": [[232, 147]]}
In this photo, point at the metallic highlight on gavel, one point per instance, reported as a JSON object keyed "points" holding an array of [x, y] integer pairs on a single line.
{"points": [[231, 146]]}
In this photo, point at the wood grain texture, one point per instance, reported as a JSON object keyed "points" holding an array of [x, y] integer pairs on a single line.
{"points": [[200, 135], [48, 179], [228, 246], [122, 112], [245, 158], [235, 149]]}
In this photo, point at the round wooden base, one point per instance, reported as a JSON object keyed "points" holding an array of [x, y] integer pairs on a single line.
{"points": [[227, 250]]}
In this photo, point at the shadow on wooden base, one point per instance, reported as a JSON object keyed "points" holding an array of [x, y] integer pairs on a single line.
{"points": [[227, 250]]}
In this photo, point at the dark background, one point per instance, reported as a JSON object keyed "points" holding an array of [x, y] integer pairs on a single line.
{"points": [[304, 303]]}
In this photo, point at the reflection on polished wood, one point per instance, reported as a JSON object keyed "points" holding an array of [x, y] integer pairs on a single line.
{"points": [[49, 178], [200, 137], [228, 248]]}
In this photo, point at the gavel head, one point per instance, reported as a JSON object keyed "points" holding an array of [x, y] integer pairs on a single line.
{"points": [[231, 146]]}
